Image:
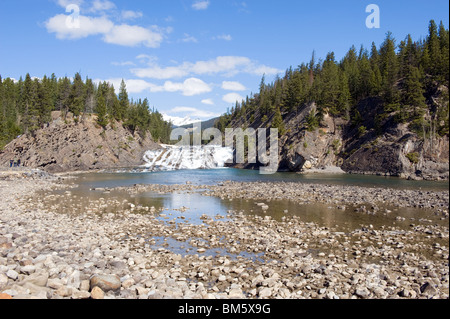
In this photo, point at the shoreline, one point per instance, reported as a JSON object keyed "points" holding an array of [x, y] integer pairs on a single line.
{"points": [[53, 247]]}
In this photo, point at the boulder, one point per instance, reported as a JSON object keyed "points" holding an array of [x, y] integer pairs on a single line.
{"points": [[105, 282]]}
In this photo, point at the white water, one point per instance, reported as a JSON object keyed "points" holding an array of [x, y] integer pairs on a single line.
{"points": [[187, 157]]}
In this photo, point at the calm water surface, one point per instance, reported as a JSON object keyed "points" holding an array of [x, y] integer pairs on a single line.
{"points": [[188, 207]]}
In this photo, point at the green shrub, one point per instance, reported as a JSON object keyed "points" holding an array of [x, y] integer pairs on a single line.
{"points": [[362, 131], [413, 157]]}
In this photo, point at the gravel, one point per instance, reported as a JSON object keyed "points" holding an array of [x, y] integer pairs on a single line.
{"points": [[53, 248]]}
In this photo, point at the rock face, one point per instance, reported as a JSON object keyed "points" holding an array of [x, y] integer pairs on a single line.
{"points": [[65, 145], [389, 148], [376, 145]]}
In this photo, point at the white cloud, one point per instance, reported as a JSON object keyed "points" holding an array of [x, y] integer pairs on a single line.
{"points": [[65, 3], [201, 4], [88, 26], [131, 36], [225, 37], [125, 63], [124, 34], [129, 14], [156, 72], [133, 86], [225, 65], [232, 98], [189, 87], [101, 5], [188, 38], [208, 102], [233, 86], [193, 112]]}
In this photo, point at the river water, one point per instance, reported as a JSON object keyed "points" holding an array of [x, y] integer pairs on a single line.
{"points": [[189, 206]]}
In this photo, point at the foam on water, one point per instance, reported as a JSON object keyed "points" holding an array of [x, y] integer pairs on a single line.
{"points": [[171, 158]]}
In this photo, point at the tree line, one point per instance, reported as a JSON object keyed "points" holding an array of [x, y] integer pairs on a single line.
{"points": [[403, 75], [26, 106]]}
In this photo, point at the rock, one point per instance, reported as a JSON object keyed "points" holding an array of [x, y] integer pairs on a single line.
{"points": [[97, 293], [428, 289], [29, 269], [265, 292], [3, 281], [77, 294], [105, 282], [38, 278], [55, 283], [141, 291], [12, 274], [362, 292], [64, 291], [236, 293], [307, 165], [128, 283], [5, 296], [84, 285]]}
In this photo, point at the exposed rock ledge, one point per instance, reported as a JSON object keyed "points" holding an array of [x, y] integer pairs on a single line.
{"points": [[64, 145]]}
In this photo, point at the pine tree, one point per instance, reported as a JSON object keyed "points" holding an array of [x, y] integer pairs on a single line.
{"points": [[102, 114], [278, 123], [45, 101], [123, 101], [389, 72], [365, 73], [344, 99], [77, 96], [29, 107], [374, 57], [434, 49], [444, 46], [413, 96], [350, 67], [90, 97], [329, 86], [64, 90]]}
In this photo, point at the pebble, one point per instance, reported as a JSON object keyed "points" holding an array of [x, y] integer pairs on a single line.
{"points": [[105, 256]]}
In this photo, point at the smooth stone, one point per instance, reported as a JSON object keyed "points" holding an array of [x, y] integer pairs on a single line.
{"points": [[106, 282]]}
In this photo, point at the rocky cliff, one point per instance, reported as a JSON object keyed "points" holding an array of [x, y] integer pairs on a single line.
{"points": [[67, 145], [383, 147]]}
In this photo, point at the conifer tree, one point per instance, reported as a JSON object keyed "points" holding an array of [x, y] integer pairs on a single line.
{"points": [[278, 123], [434, 49], [77, 96], [444, 46], [123, 101], [389, 71], [102, 115], [413, 95]]}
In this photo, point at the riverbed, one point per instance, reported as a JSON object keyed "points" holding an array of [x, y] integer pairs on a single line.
{"points": [[173, 235]]}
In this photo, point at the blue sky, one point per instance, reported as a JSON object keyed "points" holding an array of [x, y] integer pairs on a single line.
{"points": [[193, 57]]}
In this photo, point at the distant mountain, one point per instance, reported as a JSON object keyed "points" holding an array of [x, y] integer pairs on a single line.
{"points": [[180, 121], [205, 124]]}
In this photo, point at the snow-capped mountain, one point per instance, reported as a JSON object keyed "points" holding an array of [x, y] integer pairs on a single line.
{"points": [[180, 121]]}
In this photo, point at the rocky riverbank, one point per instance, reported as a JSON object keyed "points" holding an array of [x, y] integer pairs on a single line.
{"points": [[61, 245]]}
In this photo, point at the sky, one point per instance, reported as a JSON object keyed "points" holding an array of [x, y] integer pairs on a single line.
{"points": [[194, 57]]}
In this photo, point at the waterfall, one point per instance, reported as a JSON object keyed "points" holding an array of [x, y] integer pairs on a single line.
{"points": [[171, 158]]}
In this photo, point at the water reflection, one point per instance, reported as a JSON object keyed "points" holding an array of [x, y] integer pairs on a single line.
{"points": [[210, 177]]}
